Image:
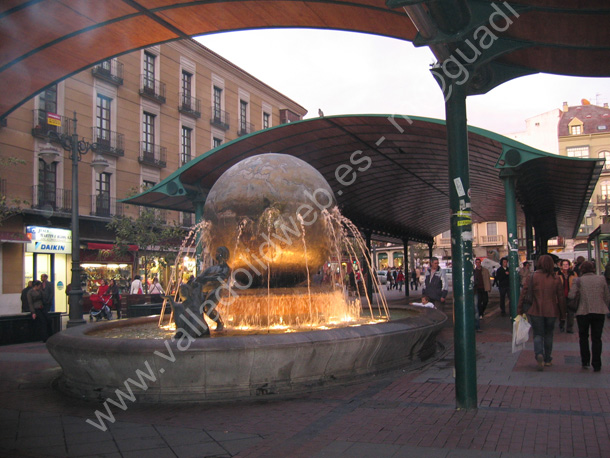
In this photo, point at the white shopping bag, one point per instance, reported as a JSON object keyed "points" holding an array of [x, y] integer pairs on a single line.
{"points": [[521, 332]]}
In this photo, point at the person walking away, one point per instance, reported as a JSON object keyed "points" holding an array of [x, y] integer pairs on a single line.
{"points": [[115, 293], [503, 280], [577, 264], [594, 303], [37, 309], [136, 285], [156, 287], [524, 273], [48, 293], [414, 279], [25, 308], [394, 278], [547, 305], [435, 284], [567, 277], [482, 287], [400, 279], [390, 279]]}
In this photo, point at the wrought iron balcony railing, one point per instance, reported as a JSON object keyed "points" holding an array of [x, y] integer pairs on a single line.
{"points": [[108, 142], [46, 198], [152, 89], [110, 70], [220, 119], [491, 240], [104, 205], [189, 105], [245, 128], [45, 122], [154, 155]]}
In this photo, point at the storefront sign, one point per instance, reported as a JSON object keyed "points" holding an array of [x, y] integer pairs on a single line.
{"points": [[48, 240], [53, 119]]}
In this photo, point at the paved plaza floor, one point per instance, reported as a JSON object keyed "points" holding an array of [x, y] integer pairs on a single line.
{"points": [[563, 411]]}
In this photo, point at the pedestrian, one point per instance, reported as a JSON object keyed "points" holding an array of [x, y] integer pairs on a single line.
{"points": [[48, 293], [524, 273], [577, 264], [593, 304], [567, 277], [389, 279], [482, 287], [114, 291], [37, 309], [400, 278], [136, 285], [394, 278], [156, 287], [547, 305], [435, 284], [414, 279], [25, 308], [503, 281]]}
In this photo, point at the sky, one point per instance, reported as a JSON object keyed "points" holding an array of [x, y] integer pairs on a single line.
{"points": [[355, 73]]}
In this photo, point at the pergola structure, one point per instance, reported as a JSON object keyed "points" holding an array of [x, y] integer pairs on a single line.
{"points": [[479, 44]]}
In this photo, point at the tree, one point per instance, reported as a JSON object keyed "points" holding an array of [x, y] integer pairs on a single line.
{"points": [[154, 238]]}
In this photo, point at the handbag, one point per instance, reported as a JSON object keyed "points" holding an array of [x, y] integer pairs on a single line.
{"points": [[528, 299], [572, 304]]}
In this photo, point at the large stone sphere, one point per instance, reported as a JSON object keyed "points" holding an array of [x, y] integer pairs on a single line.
{"points": [[268, 211]]}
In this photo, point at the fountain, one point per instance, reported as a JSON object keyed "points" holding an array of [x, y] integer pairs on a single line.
{"points": [[254, 323]]}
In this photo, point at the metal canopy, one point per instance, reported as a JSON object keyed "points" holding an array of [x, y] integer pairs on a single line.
{"points": [[390, 174], [43, 42]]}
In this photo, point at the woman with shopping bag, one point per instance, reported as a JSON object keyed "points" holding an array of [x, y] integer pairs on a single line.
{"points": [[547, 304]]}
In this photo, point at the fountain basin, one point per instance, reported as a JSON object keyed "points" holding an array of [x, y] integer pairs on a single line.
{"points": [[244, 367]]}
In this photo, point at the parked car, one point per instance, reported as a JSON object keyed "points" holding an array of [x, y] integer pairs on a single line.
{"points": [[382, 276]]}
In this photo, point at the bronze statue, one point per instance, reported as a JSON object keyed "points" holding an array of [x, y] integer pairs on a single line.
{"points": [[201, 295]]}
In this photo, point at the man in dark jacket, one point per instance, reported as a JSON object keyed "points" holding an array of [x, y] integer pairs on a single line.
{"points": [[435, 285], [24, 297], [503, 281]]}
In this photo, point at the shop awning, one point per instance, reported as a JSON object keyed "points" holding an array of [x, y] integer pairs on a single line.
{"points": [[13, 237], [108, 246]]}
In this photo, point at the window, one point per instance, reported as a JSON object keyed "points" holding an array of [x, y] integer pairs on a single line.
{"points": [[605, 155], [187, 79], [217, 103], [266, 120], [47, 103], [492, 229], [576, 130], [102, 195], [148, 184], [47, 180], [243, 115], [578, 151], [148, 134], [605, 187], [106, 66], [185, 152], [217, 142], [149, 72], [102, 113]]}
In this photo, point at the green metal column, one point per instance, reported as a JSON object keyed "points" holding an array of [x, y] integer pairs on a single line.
{"points": [[461, 249], [508, 177], [529, 239]]}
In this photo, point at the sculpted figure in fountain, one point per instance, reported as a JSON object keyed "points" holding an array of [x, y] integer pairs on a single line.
{"points": [[202, 295]]}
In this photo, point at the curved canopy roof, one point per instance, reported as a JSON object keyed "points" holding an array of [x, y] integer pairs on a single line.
{"points": [[390, 174], [45, 41]]}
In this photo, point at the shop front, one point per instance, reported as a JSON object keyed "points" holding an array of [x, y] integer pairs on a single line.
{"points": [[100, 261]]}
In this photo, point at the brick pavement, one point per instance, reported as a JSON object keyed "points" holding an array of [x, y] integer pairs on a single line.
{"points": [[563, 411]]}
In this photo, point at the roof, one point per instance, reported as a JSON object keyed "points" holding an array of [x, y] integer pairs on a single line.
{"points": [[42, 43], [595, 119], [399, 169]]}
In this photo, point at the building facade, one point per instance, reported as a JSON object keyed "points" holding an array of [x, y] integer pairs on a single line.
{"points": [[148, 112]]}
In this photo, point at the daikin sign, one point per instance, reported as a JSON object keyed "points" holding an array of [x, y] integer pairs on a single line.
{"points": [[48, 240]]}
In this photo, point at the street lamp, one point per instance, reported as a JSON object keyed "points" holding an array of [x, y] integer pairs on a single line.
{"points": [[77, 149]]}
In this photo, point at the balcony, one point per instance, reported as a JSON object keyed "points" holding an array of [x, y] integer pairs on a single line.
{"points": [[110, 70], [105, 206], [108, 142], [46, 199], [245, 128], [152, 89], [220, 119], [189, 105], [444, 242], [491, 240], [603, 199], [43, 124], [153, 155]]}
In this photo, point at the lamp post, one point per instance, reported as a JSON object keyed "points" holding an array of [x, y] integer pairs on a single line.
{"points": [[77, 149]]}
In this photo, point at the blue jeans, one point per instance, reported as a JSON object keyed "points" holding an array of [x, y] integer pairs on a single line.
{"points": [[543, 328]]}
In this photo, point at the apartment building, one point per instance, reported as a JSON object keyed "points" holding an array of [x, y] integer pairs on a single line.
{"points": [[148, 113]]}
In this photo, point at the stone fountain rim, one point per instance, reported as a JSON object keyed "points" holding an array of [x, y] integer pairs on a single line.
{"points": [[428, 317]]}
